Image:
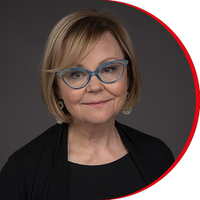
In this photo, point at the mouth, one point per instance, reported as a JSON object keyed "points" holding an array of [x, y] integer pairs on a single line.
{"points": [[97, 104]]}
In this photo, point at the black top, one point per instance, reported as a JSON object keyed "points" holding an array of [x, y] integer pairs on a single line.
{"points": [[40, 170], [108, 181]]}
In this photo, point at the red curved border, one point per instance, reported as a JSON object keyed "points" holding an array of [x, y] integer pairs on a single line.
{"points": [[197, 93]]}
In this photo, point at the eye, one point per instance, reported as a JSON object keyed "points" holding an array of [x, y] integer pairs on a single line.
{"points": [[108, 69], [75, 75]]}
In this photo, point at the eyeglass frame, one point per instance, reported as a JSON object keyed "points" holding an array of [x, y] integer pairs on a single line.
{"points": [[61, 73]]}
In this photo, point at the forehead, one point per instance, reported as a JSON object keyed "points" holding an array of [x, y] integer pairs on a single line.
{"points": [[90, 51], [107, 48]]}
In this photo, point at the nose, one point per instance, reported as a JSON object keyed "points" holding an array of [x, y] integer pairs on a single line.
{"points": [[94, 85]]}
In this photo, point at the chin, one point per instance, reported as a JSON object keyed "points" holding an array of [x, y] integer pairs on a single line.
{"points": [[100, 119]]}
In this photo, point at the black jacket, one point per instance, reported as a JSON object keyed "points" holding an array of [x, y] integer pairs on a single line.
{"points": [[38, 171]]}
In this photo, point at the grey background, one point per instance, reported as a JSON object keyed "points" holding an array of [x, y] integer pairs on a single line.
{"points": [[167, 104]]}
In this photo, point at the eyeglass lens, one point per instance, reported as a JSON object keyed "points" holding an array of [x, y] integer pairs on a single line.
{"points": [[108, 74]]}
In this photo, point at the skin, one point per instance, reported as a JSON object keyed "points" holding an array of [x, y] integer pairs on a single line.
{"points": [[93, 138]]}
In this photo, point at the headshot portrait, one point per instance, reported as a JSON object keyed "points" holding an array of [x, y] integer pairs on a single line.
{"points": [[100, 101]]}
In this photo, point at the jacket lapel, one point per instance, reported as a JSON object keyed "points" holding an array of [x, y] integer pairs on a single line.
{"points": [[58, 177], [145, 164]]}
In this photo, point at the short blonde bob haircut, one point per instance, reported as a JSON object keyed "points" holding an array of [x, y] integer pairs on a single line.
{"points": [[70, 41]]}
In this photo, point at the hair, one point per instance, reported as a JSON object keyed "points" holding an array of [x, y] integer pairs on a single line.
{"points": [[70, 41]]}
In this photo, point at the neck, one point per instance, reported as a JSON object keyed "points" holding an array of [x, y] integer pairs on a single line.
{"points": [[87, 134], [94, 144]]}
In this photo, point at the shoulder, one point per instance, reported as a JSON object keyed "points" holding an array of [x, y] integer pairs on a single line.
{"points": [[40, 142], [151, 148], [140, 137], [42, 148], [31, 164]]}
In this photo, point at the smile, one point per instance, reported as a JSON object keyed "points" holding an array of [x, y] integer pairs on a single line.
{"points": [[97, 104]]}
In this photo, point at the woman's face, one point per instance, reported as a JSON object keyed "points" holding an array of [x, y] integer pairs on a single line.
{"points": [[97, 102]]}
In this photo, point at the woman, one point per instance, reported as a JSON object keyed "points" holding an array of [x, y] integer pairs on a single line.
{"points": [[89, 74]]}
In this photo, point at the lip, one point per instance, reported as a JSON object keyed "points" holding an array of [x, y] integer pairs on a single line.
{"points": [[97, 104]]}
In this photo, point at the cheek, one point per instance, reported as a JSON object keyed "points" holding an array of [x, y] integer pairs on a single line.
{"points": [[69, 95], [122, 86], [71, 99], [119, 90]]}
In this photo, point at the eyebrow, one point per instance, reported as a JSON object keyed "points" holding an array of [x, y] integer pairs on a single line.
{"points": [[101, 62]]}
